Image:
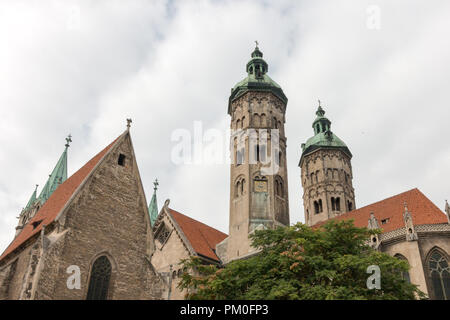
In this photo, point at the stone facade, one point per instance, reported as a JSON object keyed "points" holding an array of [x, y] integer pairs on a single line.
{"points": [[106, 216], [177, 238], [171, 248], [430, 239]]}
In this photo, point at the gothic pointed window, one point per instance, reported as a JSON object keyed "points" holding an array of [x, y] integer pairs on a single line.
{"points": [[338, 204], [439, 274], [100, 279], [333, 204], [320, 205]]}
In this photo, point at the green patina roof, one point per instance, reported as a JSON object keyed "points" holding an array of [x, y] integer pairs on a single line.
{"points": [[323, 137], [257, 80], [58, 175], [153, 206]]}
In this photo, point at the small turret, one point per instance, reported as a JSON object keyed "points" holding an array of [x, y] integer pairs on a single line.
{"points": [[326, 173]]}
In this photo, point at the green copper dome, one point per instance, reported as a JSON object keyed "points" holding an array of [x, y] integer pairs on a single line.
{"points": [[257, 79], [323, 137]]}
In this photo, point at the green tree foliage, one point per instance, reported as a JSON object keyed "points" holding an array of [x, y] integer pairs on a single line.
{"points": [[299, 262]]}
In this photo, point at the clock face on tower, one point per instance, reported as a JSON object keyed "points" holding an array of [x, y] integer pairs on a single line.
{"points": [[260, 185]]}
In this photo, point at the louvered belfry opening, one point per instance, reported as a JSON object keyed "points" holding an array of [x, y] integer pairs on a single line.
{"points": [[100, 278]]}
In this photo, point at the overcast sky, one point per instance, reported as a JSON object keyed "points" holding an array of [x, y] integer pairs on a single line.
{"points": [[86, 66]]}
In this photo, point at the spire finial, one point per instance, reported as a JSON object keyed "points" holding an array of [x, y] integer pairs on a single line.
{"points": [[256, 42], [68, 140], [129, 121], [155, 184], [320, 112], [36, 187]]}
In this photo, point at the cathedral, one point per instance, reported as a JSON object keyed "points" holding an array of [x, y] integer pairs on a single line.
{"points": [[93, 236]]}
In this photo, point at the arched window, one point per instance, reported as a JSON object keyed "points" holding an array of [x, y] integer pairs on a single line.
{"points": [[405, 274], [275, 123], [279, 186], [238, 189], [242, 186], [333, 204], [99, 280], [349, 205], [238, 124], [338, 204], [439, 273], [242, 123], [263, 120], [256, 120], [320, 205], [240, 153]]}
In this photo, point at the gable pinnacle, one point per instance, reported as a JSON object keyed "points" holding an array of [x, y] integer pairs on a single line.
{"points": [[129, 121]]}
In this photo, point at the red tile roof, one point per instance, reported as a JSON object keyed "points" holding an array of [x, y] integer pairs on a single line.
{"points": [[53, 206], [202, 238], [422, 209]]}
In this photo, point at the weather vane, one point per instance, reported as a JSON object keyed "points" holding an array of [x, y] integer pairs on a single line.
{"points": [[256, 41], [156, 184], [129, 121], [68, 140]]}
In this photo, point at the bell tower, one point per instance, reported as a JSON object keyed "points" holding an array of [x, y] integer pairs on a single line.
{"points": [[326, 173], [258, 179]]}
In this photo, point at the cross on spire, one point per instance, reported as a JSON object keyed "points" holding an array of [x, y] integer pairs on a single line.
{"points": [[156, 184], [129, 121]]}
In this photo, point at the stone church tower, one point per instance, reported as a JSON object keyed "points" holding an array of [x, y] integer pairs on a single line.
{"points": [[258, 179], [326, 173]]}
